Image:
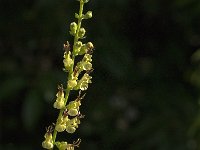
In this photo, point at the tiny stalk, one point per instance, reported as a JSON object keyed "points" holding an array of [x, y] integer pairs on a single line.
{"points": [[69, 112]]}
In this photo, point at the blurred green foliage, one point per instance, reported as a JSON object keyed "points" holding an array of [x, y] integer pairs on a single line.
{"points": [[146, 81]]}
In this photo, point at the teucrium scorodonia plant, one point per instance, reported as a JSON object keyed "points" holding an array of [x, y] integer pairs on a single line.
{"points": [[78, 78]]}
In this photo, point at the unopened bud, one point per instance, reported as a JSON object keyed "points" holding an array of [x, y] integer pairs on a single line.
{"points": [[88, 15], [73, 28], [77, 47], [81, 33], [90, 45], [76, 15]]}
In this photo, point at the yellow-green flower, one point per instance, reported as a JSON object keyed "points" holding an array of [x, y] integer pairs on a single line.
{"points": [[61, 123], [77, 48], [72, 124], [59, 103], [67, 60], [83, 82], [48, 142], [85, 48]]}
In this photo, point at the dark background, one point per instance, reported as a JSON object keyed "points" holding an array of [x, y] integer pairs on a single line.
{"points": [[146, 81]]}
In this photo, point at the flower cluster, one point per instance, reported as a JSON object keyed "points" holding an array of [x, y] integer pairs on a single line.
{"points": [[78, 79]]}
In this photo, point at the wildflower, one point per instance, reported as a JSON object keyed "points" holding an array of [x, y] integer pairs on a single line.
{"points": [[85, 48], [61, 123], [48, 142], [83, 82], [85, 63], [72, 124], [73, 106], [60, 100], [67, 60]]}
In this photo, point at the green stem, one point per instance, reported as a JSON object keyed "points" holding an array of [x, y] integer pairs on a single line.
{"points": [[71, 69], [79, 21]]}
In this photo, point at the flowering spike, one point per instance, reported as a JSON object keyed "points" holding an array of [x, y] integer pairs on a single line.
{"points": [[69, 116]]}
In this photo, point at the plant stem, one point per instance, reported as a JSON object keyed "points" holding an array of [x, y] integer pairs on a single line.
{"points": [[79, 21], [72, 66]]}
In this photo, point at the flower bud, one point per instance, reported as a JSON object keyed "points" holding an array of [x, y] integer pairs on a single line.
{"points": [[88, 15], [83, 49], [78, 44], [73, 28], [81, 33], [90, 45], [76, 16], [77, 47]]}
